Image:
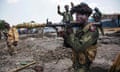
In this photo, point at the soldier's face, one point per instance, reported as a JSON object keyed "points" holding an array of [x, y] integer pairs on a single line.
{"points": [[81, 18], [67, 8]]}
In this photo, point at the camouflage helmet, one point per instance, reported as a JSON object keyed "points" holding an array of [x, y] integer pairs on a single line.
{"points": [[82, 8]]}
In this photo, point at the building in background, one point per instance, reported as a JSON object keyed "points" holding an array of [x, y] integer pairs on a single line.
{"points": [[114, 20]]}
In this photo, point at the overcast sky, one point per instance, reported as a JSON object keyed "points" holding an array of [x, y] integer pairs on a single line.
{"points": [[19, 11]]}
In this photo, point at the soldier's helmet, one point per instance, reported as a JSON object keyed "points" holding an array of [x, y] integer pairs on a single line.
{"points": [[96, 9], [82, 8], [66, 6]]}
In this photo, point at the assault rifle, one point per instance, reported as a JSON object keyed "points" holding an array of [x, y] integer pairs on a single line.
{"points": [[55, 25], [50, 24]]}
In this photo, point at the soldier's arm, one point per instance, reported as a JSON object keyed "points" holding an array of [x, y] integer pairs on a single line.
{"points": [[72, 5], [59, 12], [86, 40]]}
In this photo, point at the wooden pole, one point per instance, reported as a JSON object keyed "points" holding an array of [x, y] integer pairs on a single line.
{"points": [[116, 65], [23, 67]]}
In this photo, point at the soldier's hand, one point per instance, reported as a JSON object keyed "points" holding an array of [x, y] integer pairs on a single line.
{"points": [[72, 5], [58, 7], [15, 43]]}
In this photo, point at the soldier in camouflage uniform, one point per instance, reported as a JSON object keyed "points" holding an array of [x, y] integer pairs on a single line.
{"points": [[67, 16], [83, 41], [97, 18], [12, 40], [11, 36]]}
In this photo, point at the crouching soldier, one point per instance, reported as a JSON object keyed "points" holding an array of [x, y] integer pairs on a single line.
{"points": [[12, 38], [82, 41]]}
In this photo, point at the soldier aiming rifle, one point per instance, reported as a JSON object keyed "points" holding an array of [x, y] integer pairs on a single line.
{"points": [[83, 41]]}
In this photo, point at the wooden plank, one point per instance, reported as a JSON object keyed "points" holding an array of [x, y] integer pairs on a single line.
{"points": [[23, 67]]}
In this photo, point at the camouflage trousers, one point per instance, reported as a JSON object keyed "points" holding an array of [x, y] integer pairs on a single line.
{"points": [[82, 61], [11, 48]]}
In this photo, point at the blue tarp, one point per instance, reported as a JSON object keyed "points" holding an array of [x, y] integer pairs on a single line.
{"points": [[113, 23]]}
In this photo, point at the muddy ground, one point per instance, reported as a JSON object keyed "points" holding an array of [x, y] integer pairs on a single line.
{"points": [[50, 54]]}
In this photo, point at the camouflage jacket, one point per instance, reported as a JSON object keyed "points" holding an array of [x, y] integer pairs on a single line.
{"points": [[83, 38], [13, 35], [66, 16]]}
